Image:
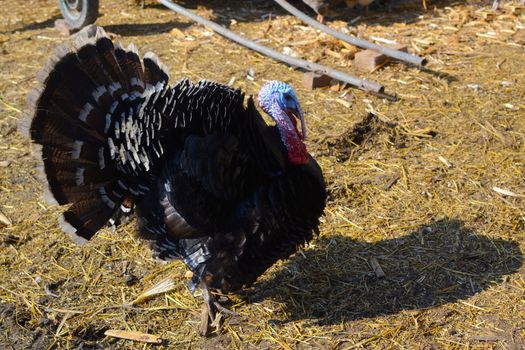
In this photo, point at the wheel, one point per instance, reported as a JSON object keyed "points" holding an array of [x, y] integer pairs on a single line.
{"points": [[79, 13]]}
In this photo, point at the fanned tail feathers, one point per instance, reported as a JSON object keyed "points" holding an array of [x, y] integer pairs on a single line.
{"points": [[83, 120]]}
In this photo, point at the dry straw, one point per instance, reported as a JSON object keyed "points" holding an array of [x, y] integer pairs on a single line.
{"points": [[422, 242]]}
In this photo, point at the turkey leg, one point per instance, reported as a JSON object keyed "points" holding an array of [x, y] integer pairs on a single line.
{"points": [[209, 311]]}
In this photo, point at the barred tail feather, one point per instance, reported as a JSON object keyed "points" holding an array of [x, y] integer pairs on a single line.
{"points": [[83, 92]]}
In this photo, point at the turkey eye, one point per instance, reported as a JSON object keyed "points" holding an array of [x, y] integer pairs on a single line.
{"points": [[287, 97]]}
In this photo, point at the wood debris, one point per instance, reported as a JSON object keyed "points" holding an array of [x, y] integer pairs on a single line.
{"points": [[376, 267], [5, 220], [505, 192], [445, 161]]}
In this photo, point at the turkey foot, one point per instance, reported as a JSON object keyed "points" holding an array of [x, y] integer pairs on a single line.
{"points": [[211, 313]]}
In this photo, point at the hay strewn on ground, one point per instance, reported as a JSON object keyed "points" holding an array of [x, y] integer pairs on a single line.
{"points": [[429, 188]]}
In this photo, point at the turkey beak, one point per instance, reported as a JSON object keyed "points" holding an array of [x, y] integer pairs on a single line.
{"points": [[297, 112]]}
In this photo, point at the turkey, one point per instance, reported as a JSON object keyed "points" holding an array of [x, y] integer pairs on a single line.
{"points": [[209, 181]]}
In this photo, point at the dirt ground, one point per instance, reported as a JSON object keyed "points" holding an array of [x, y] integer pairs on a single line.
{"points": [[430, 188]]}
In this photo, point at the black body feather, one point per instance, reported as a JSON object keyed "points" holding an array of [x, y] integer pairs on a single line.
{"points": [[208, 178]]}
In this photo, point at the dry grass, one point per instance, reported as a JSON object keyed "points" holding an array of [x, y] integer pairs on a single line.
{"points": [[411, 191]]}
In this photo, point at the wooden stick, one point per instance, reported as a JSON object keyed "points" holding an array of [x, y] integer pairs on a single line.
{"points": [[377, 268], [133, 335]]}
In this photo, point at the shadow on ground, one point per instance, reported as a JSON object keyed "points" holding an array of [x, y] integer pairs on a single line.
{"points": [[48, 23], [379, 13], [382, 12], [439, 263], [144, 29]]}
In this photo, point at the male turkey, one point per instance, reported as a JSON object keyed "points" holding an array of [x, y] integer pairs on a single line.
{"points": [[211, 182]]}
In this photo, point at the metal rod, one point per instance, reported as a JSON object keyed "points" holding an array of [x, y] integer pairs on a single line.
{"points": [[402, 56], [296, 62]]}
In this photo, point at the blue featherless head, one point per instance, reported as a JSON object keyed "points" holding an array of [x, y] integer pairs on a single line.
{"points": [[276, 94]]}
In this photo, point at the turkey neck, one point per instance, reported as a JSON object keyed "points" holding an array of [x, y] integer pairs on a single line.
{"points": [[296, 149]]}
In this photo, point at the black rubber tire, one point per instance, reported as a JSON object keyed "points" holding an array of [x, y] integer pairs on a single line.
{"points": [[79, 13]]}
